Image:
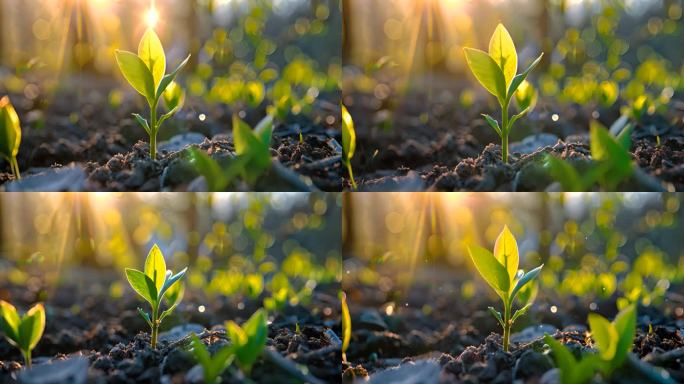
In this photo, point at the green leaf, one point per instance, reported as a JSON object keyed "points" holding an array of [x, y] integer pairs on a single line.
{"points": [[244, 138], [145, 316], [518, 79], [571, 371], [348, 135], [142, 284], [136, 73], [254, 93], [506, 252], [604, 334], [625, 325], [564, 173], [515, 118], [174, 96], [167, 116], [201, 354], [529, 276], [624, 138], [608, 93], [174, 295], [248, 341], [37, 325], [10, 129], [346, 324], [209, 168], [171, 77], [9, 322], [492, 123], [151, 52], [521, 312], [487, 72], [169, 283], [502, 50], [490, 269], [155, 268], [141, 120], [497, 315], [526, 96], [264, 129]]}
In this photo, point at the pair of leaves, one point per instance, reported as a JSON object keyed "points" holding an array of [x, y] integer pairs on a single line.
{"points": [[156, 282], [212, 366], [613, 162], [254, 146], [496, 70], [218, 178], [248, 341], [614, 339], [500, 268], [10, 129], [23, 332], [346, 325]]}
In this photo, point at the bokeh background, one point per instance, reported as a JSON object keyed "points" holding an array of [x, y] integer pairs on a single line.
{"points": [[596, 247]]}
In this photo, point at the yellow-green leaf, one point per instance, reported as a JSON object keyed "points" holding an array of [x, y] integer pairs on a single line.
{"points": [[490, 269], [155, 267], [605, 336], [502, 50], [348, 135], [136, 73], [526, 96], [10, 129], [151, 52], [506, 252], [142, 284], [9, 322], [486, 71], [37, 313], [174, 96], [346, 325]]}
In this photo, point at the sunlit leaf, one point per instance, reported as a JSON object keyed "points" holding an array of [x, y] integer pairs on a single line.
{"points": [[486, 71], [518, 79], [151, 52], [136, 73], [493, 123], [625, 325], [174, 96], [155, 267], [10, 129], [348, 135], [526, 96], [506, 252], [489, 267], [528, 277], [142, 284], [604, 335], [9, 322], [502, 50], [37, 314], [346, 325], [171, 77]]}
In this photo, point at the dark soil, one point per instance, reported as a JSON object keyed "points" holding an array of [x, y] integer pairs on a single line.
{"points": [[113, 342], [435, 335], [425, 140], [104, 149]]}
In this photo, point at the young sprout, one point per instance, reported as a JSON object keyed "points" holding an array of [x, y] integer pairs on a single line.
{"points": [[10, 135], [155, 284], [248, 341], [613, 340], [346, 326], [348, 143], [500, 271], [212, 366], [22, 332], [254, 146], [146, 74], [496, 71]]}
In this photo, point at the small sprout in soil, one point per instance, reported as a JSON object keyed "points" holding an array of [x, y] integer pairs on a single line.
{"points": [[613, 341], [346, 326], [613, 162], [212, 366], [500, 271], [155, 284], [248, 341], [496, 72], [10, 135], [348, 143], [22, 332], [277, 301], [145, 72]]}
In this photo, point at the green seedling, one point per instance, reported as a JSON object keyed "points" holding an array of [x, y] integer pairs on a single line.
{"points": [[154, 285], [613, 341], [613, 162], [500, 271], [496, 72], [253, 160], [346, 326], [145, 72], [23, 332], [212, 366], [248, 341], [10, 135], [348, 143]]}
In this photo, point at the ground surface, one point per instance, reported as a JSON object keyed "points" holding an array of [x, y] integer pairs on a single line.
{"points": [[74, 139], [423, 139], [434, 335], [90, 337]]}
